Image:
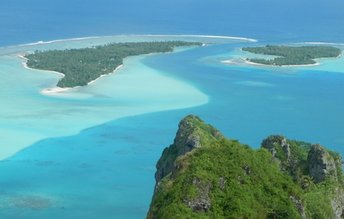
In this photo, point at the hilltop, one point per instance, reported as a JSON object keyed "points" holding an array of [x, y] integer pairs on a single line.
{"points": [[205, 175]]}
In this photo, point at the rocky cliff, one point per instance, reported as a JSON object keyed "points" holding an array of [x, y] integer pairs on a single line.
{"points": [[189, 136], [204, 175]]}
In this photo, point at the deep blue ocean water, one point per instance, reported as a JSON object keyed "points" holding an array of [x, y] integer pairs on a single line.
{"points": [[107, 171], [30, 21]]}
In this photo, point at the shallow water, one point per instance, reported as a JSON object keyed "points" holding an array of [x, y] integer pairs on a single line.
{"points": [[133, 89], [107, 171], [76, 168]]}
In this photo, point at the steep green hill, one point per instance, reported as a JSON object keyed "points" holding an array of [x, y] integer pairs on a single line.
{"points": [[204, 175]]}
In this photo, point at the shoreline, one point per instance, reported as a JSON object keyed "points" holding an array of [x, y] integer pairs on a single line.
{"points": [[46, 91], [108, 105], [24, 63], [317, 63], [114, 71], [243, 60], [281, 66], [59, 90], [55, 90], [42, 42], [246, 62]]}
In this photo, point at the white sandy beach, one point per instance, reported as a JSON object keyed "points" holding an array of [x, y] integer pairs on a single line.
{"points": [[59, 90], [282, 66], [55, 90], [36, 118], [118, 67], [21, 56], [47, 91], [244, 61], [247, 62]]}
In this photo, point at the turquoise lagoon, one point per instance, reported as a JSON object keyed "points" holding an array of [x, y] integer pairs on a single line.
{"points": [[91, 151]]}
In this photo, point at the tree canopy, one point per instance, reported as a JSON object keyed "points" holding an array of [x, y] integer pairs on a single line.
{"points": [[81, 66], [292, 55]]}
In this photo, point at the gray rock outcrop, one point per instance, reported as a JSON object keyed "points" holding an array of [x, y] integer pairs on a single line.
{"points": [[338, 204], [187, 139], [321, 164], [272, 144], [202, 201]]}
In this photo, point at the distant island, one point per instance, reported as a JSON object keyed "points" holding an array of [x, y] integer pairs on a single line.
{"points": [[292, 55], [205, 175], [81, 66]]}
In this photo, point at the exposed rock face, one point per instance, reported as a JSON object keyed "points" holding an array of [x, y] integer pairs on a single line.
{"points": [[281, 151], [193, 141], [299, 205], [272, 144], [184, 142], [222, 183], [187, 138], [201, 202], [204, 175], [321, 164], [286, 148], [338, 204]]}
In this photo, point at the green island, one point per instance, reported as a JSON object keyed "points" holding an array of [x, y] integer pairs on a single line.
{"points": [[205, 175], [292, 55], [81, 66]]}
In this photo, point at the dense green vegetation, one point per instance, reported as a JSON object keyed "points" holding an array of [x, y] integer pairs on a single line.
{"points": [[292, 55], [81, 66], [214, 177]]}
